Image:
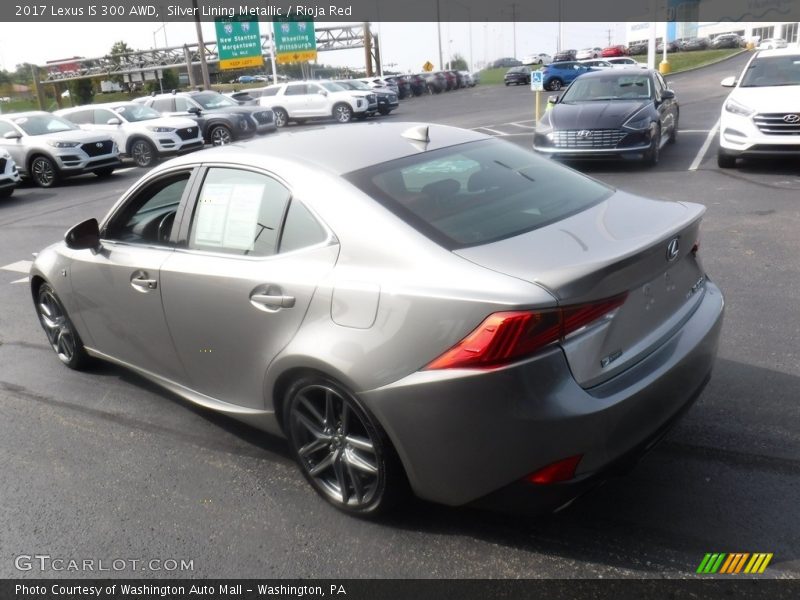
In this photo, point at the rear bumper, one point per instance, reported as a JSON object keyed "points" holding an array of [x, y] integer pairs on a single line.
{"points": [[463, 435]]}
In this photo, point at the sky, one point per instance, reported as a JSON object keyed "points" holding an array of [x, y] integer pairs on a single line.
{"points": [[405, 46]]}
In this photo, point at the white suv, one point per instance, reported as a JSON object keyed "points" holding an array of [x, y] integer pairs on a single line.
{"points": [[301, 100], [761, 116], [9, 175], [140, 132]]}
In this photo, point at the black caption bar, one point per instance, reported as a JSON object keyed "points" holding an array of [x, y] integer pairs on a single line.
{"points": [[249, 589], [403, 10]]}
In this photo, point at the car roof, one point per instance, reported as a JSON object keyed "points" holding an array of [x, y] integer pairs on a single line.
{"points": [[27, 113], [614, 73], [325, 147], [778, 52]]}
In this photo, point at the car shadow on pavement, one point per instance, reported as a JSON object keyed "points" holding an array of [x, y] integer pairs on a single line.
{"points": [[259, 441], [723, 480]]}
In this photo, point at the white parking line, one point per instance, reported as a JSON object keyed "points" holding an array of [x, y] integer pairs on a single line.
{"points": [[704, 148], [495, 131], [23, 280], [693, 130], [21, 266], [520, 125], [125, 170]]}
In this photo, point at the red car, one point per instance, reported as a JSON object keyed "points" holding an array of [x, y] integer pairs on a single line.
{"points": [[615, 51]]}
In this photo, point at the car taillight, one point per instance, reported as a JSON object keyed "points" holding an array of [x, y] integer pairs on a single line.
{"points": [[563, 470], [504, 337]]}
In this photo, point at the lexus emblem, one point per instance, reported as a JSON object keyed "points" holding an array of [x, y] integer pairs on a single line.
{"points": [[584, 133], [99, 144], [792, 119], [673, 249]]}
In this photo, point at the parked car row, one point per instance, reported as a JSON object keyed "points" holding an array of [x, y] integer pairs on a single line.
{"points": [[48, 147]]}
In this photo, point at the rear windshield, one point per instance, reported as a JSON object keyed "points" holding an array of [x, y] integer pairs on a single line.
{"points": [[478, 192]]}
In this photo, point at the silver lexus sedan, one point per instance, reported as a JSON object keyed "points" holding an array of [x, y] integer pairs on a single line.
{"points": [[413, 307]]}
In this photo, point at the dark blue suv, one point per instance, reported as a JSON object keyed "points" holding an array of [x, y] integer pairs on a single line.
{"points": [[560, 74]]}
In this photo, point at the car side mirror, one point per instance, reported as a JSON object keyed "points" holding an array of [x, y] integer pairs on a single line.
{"points": [[728, 82], [193, 110], [12, 135], [322, 93], [553, 99], [84, 236], [114, 121], [667, 95]]}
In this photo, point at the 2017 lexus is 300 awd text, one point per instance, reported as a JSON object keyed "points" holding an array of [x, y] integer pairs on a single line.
{"points": [[440, 312]]}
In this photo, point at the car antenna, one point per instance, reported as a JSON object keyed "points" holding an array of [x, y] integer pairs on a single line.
{"points": [[418, 133]]}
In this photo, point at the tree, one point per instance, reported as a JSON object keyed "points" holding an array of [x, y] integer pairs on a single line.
{"points": [[458, 63], [81, 92], [118, 56]]}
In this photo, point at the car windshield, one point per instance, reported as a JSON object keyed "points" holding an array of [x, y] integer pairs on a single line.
{"points": [[772, 71], [332, 87], [478, 192], [43, 124], [210, 100], [136, 112], [621, 87], [517, 70]]}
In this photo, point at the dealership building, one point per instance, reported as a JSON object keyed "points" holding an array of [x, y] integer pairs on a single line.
{"points": [[640, 32]]}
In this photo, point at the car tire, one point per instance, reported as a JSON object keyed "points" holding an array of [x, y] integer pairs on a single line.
{"points": [[44, 172], [104, 172], [143, 153], [555, 85], [652, 156], [281, 117], [341, 450], [725, 161], [342, 113], [60, 331], [673, 135], [384, 111], [220, 135]]}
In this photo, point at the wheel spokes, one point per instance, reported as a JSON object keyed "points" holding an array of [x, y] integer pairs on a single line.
{"points": [[356, 461]]}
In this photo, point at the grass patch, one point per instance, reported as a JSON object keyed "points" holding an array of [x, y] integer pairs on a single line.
{"points": [[679, 61]]}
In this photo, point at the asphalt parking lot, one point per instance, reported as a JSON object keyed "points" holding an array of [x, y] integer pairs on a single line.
{"points": [[105, 465]]}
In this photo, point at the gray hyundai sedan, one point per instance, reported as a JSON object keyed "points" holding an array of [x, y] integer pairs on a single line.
{"points": [[440, 311]]}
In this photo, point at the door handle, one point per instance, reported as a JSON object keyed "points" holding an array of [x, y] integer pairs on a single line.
{"points": [[273, 301], [141, 283]]}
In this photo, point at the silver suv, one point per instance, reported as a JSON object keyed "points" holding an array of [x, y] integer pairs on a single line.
{"points": [[9, 175], [302, 100], [140, 132], [47, 147]]}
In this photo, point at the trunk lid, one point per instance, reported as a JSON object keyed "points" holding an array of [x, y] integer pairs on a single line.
{"points": [[625, 244]]}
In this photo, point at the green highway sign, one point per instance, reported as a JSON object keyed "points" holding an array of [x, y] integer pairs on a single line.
{"points": [[238, 43], [295, 40]]}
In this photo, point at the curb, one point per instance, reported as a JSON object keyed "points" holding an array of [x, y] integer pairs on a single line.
{"points": [[715, 62]]}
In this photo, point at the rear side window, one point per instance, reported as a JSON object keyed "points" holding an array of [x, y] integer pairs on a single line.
{"points": [[271, 91], [297, 89], [479, 192], [81, 117], [238, 212], [163, 104], [301, 229]]}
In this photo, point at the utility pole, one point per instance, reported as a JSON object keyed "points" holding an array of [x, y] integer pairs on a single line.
{"points": [[514, 25], [439, 26], [609, 36], [368, 50], [201, 48]]}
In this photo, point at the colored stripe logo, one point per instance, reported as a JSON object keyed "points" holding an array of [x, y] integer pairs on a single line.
{"points": [[734, 563]]}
